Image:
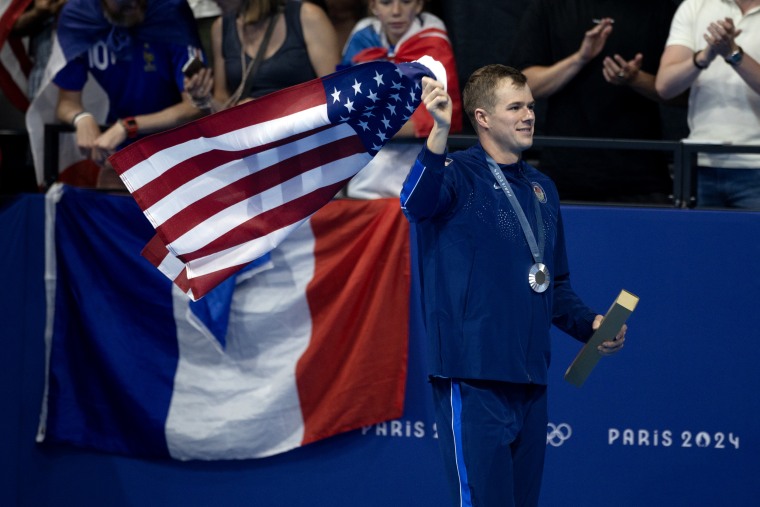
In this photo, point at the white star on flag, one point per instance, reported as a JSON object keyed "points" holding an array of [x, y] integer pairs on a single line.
{"points": [[226, 189]]}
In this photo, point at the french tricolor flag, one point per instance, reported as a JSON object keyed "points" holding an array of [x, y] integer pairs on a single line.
{"points": [[315, 343]]}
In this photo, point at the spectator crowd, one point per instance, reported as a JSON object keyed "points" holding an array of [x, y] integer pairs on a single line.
{"points": [[117, 70]]}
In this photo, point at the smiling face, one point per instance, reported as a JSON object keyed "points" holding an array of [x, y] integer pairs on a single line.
{"points": [[500, 106], [396, 16], [510, 121]]}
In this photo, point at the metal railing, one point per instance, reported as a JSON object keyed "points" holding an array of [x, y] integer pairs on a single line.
{"points": [[52, 143], [683, 155]]}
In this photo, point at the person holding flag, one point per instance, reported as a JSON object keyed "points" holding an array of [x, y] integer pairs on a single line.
{"points": [[494, 277], [227, 188]]}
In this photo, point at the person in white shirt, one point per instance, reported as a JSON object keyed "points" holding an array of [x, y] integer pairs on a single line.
{"points": [[712, 50]]}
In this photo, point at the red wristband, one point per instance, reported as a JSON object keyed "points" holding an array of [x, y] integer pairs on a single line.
{"points": [[130, 125]]}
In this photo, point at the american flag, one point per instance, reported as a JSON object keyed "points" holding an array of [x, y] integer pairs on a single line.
{"points": [[15, 62], [228, 188]]}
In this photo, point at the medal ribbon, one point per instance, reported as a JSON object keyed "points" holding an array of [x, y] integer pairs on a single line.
{"points": [[536, 248]]}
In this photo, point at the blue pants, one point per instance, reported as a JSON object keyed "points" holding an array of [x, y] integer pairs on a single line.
{"points": [[728, 188], [493, 439]]}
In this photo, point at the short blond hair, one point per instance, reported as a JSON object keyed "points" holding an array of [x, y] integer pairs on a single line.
{"points": [[480, 89]]}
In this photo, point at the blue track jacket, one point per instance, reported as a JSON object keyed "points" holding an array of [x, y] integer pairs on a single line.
{"points": [[482, 318]]}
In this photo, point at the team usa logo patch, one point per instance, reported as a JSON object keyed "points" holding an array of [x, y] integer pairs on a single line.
{"points": [[539, 191]]}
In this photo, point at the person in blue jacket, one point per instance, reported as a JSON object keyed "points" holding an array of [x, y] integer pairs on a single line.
{"points": [[135, 50], [495, 276]]}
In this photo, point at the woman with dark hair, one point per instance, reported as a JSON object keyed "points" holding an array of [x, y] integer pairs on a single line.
{"points": [[265, 46]]}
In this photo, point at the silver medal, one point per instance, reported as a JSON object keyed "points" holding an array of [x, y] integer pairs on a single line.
{"points": [[538, 277]]}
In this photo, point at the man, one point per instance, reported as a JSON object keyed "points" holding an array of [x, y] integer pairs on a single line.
{"points": [[594, 62], [135, 50], [492, 285], [703, 53]]}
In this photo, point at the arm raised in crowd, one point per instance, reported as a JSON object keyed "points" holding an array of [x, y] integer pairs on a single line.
{"points": [[680, 66], [547, 80], [618, 71]]}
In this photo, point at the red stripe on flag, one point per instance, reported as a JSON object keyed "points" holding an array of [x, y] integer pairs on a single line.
{"points": [[359, 303], [9, 17], [268, 222], [155, 251], [15, 94], [184, 172], [270, 107], [214, 246], [182, 281], [194, 167], [255, 183], [202, 285]]}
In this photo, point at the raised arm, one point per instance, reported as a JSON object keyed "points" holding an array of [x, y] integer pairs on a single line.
{"points": [[423, 194], [680, 66], [439, 105], [617, 71], [721, 38], [547, 80]]}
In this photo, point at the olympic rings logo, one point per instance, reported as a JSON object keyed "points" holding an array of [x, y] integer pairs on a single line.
{"points": [[556, 434]]}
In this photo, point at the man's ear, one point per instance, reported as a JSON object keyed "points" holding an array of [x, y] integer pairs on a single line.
{"points": [[481, 116]]}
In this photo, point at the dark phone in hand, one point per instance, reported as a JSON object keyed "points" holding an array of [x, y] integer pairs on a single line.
{"points": [[192, 67]]}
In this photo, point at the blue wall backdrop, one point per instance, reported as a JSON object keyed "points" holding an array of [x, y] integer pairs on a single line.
{"points": [[670, 421]]}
